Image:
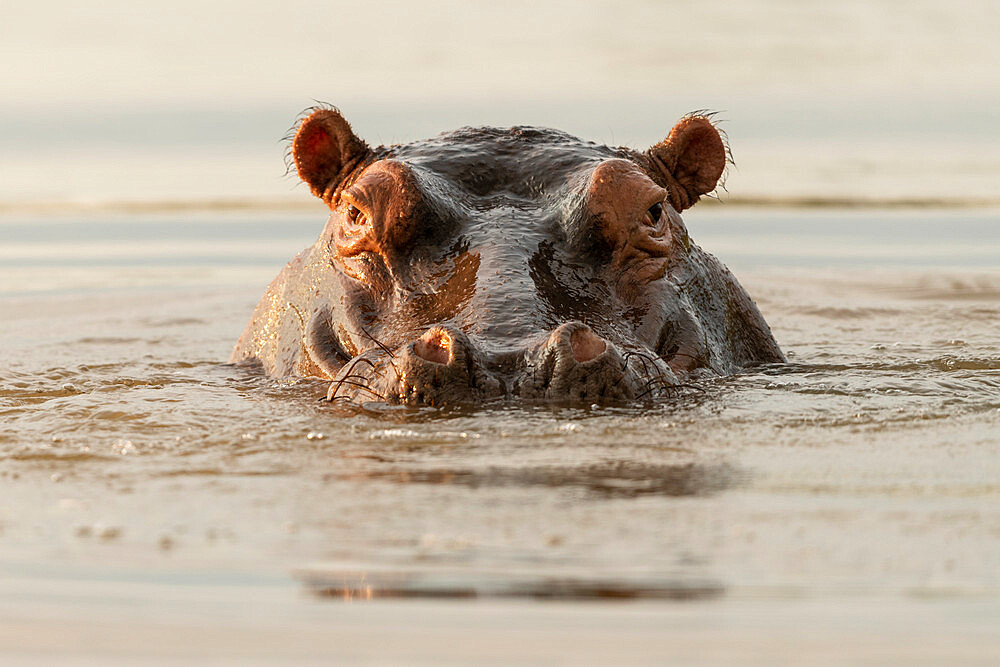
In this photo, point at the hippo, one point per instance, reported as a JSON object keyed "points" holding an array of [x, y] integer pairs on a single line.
{"points": [[516, 264]]}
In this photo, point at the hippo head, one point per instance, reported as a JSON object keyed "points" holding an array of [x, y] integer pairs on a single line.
{"points": [[520, 263]]}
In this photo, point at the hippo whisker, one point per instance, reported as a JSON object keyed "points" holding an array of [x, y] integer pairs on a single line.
{"points": [[668, 386], [383, 348], [360, 378], [348, 373], [653, 385], [351, 380], [651, 373], [358, 385], [357, 361], [665, 382], [645, 358], [338, 398]]}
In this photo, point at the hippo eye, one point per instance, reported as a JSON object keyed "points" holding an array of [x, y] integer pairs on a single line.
{"points": [[655, 211], [355, 215]]}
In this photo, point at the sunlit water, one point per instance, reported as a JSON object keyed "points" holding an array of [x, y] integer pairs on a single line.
{"points": [[866, 467]]}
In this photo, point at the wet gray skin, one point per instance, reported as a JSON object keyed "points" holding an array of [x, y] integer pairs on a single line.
{"points": [[519, 264]]}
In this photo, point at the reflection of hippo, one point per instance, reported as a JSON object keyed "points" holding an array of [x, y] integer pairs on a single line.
{"points": [[486, 263]]}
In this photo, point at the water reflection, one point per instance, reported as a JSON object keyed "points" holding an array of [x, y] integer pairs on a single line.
{"points": [[355, 586], [617, 479]]}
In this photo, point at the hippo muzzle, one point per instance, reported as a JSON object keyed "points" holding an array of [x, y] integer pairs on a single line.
{"points": [[444, 366], [518, 264]]}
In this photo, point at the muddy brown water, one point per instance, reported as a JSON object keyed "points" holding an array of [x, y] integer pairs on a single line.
{"points": [[158, 503]]}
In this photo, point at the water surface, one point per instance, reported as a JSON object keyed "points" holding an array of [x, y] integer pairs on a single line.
{"points": [[150, 487]]}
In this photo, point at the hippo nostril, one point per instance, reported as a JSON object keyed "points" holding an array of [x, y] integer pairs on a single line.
{"points": [[434, 345], [586, 345]]}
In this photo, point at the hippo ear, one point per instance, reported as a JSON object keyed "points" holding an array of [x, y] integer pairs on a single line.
{"points": [[689, 162], [326, 151]]}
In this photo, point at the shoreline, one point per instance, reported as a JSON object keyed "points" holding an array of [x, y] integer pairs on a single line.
{"points": [[297, 205]]}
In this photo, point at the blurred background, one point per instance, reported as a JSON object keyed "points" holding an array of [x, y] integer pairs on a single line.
{"points": [[118, 101]]}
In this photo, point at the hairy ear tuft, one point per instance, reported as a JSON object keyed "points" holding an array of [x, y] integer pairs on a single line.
{"points": [[690, 161], [326, 151]]}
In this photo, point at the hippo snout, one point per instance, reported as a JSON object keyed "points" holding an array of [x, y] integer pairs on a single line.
{"points": [[576, 364], [439, 367], [438, 346], [579, 341], [443, 365]]}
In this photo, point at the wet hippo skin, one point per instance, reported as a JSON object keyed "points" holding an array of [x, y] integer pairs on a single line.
{"points": [[518, 263]]}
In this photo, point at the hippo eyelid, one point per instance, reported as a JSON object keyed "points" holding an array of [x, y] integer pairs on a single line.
{"points": [[355, 197]]}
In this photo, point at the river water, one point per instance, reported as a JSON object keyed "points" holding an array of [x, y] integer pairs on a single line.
{"points": [[158, 503]]}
